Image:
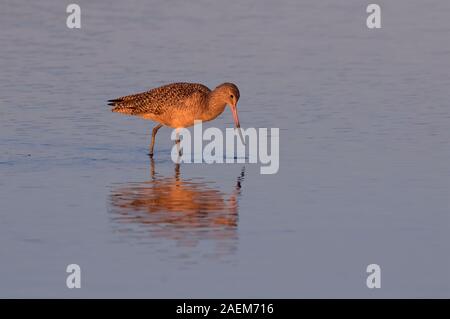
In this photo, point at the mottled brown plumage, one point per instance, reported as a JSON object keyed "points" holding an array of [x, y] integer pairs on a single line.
{"points": [[178, 105], [159, 100]]}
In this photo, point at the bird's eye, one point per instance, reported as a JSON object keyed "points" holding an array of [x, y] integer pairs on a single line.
{"points": [[232, 96]]}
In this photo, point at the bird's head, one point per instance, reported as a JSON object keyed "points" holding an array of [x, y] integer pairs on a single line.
{"points": [[229, 92]]}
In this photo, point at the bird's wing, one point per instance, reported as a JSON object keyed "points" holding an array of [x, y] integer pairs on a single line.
{"points": [[158, 100]]}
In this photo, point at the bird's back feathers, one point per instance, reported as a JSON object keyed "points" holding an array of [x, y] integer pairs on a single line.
{"points": [[158, 100]]}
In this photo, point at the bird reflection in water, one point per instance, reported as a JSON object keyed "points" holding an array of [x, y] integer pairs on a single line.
{"points": [[184, 210]]}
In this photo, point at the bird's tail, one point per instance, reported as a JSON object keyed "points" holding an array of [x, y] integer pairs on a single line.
{"points": [[121, 105], [130, 104]]}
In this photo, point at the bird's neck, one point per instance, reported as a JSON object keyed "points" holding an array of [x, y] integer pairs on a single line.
{"points": [[214, 106]]}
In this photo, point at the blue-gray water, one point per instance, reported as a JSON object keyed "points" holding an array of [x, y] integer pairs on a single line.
{"points": [[364, 177]]}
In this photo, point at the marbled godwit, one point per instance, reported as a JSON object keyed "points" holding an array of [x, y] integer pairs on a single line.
{"points": [[177, 105]]}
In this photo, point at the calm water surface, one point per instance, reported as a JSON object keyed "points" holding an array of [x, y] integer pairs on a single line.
{"points": [[364, 175]]}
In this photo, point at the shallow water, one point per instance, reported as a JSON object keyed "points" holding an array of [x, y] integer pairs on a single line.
{"points": [[364, 125]]}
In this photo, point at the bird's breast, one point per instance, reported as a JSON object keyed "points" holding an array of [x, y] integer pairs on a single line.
{"points": [[176, 118]]}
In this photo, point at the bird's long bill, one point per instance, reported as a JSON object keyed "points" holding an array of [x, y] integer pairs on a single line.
{"points": [[237, 124]]}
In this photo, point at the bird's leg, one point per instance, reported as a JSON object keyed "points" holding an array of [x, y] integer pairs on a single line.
{"points": [[154, 131], [177, 141]]}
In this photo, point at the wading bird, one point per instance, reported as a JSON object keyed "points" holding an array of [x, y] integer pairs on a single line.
{"points": [[177, 105]]}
